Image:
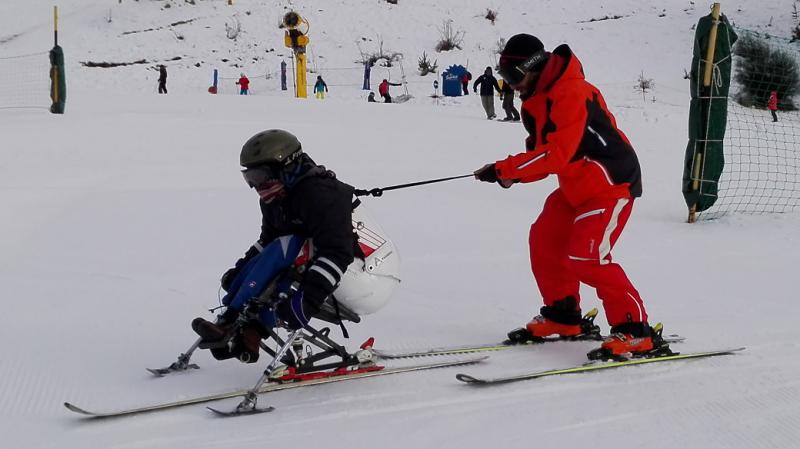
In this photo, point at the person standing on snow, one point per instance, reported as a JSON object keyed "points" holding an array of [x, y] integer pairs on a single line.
{"points": [[162, 79], [244, 84], [320, 88], [465, 79], [507, 94], [772, 105], [383, 90], [488, 84], [573, 135], [307, 250]]}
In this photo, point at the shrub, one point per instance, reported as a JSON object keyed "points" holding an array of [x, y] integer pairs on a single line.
{"points": [[425, 65], [450, 39], [760, 69], [491, 15]]}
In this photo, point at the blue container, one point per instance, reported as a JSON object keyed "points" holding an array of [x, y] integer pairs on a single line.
{"points": [[451, 81]]}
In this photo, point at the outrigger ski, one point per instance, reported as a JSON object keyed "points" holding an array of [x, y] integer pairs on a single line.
{"points": [[267, 388], [517, 337], [593, 366]]}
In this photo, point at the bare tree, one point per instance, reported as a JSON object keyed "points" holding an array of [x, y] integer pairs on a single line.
{"points": [[450, 39], [233, 30], [644, 84], [491, 15], [426, 66]]}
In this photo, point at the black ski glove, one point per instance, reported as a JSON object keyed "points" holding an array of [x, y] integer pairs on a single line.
{"points": [[228, 277], [487, 173]]}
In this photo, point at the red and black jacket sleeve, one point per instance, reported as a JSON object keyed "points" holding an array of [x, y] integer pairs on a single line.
{"points": [[559, 142]]}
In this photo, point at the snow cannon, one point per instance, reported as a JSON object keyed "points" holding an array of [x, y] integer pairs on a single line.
{"points": [[296, 38]]}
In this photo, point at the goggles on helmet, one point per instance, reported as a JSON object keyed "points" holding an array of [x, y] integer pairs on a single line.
{"points": [[260, 175], [513, 73]]}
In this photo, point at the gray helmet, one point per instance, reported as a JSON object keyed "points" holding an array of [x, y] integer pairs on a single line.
{"points": [[273, 146]]}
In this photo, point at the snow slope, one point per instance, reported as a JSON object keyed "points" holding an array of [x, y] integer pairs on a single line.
{"points": [[120, 216]]}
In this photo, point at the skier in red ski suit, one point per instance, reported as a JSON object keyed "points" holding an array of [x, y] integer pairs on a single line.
{"points": [[573, 135], [772, 105]]}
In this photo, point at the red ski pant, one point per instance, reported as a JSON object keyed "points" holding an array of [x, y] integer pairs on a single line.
{"points": [[570, 245]]}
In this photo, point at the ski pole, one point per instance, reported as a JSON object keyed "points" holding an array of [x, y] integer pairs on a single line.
{"points": [[378, 191]]}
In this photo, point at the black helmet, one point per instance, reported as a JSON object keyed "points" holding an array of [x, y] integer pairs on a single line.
{"points": [[274, 147], [523, 53]]}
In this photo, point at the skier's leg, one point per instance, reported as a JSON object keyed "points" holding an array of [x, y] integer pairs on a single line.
{"points": [[485, 103], [273, 259], [597, 227], [507, 108], [548, 241]]}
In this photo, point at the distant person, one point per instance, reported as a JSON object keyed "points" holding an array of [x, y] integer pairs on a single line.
{"points": [[320, 88], [772, 105], [465, 79], [371, 97], [162, 79], [244, 84], [488, 82], [507, 94], [383, 90]]}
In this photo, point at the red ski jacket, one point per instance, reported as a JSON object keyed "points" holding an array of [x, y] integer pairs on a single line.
{"points": [[772, 103], [244, 82], [573, 135]]}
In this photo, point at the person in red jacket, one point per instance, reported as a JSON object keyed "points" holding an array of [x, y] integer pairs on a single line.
{"points": [[772, 105], [244, 84], [383, 90], [574, 136]]}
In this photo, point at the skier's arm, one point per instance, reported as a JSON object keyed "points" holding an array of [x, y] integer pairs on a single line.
{"points": [[475, 84], [568, 117], [327, 211]]}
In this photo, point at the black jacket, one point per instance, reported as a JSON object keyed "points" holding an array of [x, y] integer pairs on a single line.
{"points": [[487, 83], [318, 207]]}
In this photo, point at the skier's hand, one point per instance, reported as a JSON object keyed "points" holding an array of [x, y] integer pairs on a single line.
{"points": [[487, 173], [228, 277]]}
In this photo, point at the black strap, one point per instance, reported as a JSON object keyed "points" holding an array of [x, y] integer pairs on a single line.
{"points": [[339, 317]]}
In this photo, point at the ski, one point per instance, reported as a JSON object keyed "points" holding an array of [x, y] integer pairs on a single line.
{"points": [[270, 387], [488, 347], [472, 380]]}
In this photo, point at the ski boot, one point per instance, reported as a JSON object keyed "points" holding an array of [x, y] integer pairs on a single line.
{"points": [[232, 336], [644, 342], [540, 328]]}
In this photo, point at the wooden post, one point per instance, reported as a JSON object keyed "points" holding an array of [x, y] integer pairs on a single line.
{"points": [[712, 44], [698, 160], [55, 25], [707, 75]]}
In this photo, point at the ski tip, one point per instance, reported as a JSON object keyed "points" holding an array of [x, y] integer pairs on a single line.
{"points": [[76, 409], [231, 414], [155, 372], [469, 379]]}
